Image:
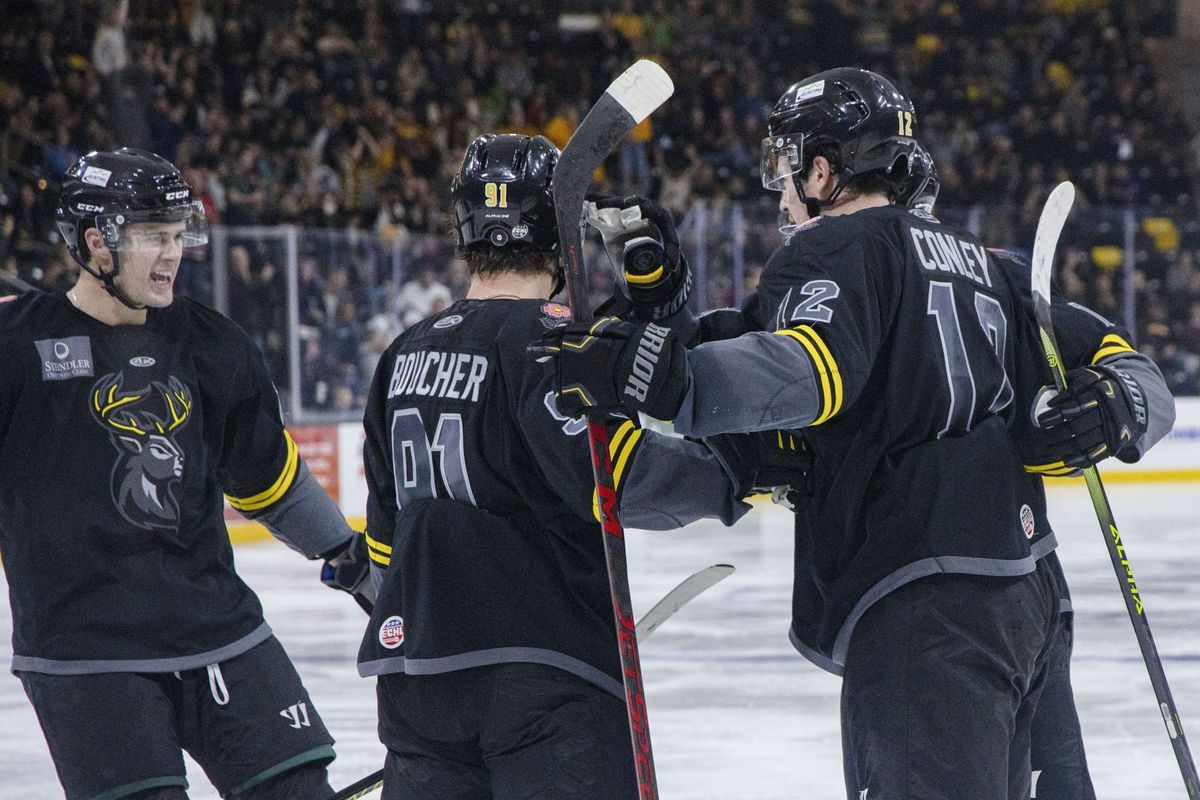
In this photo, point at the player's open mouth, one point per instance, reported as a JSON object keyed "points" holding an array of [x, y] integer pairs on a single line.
{"points": [[161, 278]]}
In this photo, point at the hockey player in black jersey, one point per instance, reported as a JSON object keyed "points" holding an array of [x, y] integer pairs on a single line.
{"points": [[125, 414], [898, 344], [492, 633]]}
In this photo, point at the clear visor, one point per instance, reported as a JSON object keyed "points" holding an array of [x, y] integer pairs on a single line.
{"points": [[180, 226], [926, 195], [780, 158]]}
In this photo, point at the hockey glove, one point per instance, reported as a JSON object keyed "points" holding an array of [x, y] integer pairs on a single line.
{"points": [[349, 570], [612, 366], [779, 462], [643, 246], [1100, 413]]}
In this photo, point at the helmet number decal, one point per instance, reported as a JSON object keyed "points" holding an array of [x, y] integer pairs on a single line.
{"points": [[497, 195], [906, 120]]}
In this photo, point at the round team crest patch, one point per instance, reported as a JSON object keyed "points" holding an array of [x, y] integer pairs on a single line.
{"points": [[556, 311], [391, 632], [1027, 523]]}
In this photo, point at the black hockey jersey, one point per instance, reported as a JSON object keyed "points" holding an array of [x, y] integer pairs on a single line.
{"points": [[918, 373], [909, 355], [116, 444], [891, 339], [481, 523]]}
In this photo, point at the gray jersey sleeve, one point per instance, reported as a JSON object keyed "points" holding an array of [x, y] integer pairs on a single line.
{"points": [[1160, 405], [673, 481], [305, 519], [758, 381]]}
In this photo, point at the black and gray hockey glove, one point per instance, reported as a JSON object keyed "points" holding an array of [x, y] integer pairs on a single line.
{"points": [[643, 246], [611, 366], [349, 570], [779, 462], [1100, 413]]}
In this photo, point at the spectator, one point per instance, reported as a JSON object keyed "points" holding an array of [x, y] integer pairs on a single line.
{"points": [[421, 297]]}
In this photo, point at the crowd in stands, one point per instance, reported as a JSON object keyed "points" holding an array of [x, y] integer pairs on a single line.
{"points": [[353, 115]]}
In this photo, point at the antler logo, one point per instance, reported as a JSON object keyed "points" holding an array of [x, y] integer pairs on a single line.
{"points": [[149, 461]]}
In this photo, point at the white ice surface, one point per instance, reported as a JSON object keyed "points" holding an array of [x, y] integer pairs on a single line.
{"points": [[734, 711]]}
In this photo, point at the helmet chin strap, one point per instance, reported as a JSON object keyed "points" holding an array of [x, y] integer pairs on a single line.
{"points": [[814, 205], [560, 281], [108, 281]]}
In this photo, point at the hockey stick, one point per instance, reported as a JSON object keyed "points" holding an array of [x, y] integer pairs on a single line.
{"points": [[672, 601], [1050, 225], [681, 595], [360, 788], [627, 101], [16, 283]]}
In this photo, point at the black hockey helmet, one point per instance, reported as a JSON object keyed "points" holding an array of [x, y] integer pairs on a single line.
{"points": [[920, 189], [862, 113], [502, 193], [114, 190]]}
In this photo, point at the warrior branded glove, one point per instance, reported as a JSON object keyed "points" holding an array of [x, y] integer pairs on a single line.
{"points": [[643, 246], [766, 461], [614, 366], [1100, 413], [348, 569]]}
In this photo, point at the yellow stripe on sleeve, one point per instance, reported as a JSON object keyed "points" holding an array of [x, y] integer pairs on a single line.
{"points": [[830, 377], [278, 488], [375, 544], [1055, 469], [629, 445], [1111, 345], [620, 449], [382, 561]]}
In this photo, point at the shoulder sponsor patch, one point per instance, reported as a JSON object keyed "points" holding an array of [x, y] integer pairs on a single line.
{"points": [[448, 322], [556, 311], [96, 176], [65, 358]]}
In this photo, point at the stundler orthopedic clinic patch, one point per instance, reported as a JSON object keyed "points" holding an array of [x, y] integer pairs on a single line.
{"points": [[65, 358]]}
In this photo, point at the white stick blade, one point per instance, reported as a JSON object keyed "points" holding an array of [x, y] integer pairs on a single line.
{"points": [[1050, 225], [642, 88]]}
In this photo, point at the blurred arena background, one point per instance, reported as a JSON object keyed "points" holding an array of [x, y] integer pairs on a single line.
{"points": [[322, 134]]}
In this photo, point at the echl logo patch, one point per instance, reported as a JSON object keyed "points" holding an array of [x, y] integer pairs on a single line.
{"points": [[556, 311], [391, 632], [1027, 522]]}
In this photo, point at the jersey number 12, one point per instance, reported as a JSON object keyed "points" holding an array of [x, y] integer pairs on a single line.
{"points": [[960, 378]]}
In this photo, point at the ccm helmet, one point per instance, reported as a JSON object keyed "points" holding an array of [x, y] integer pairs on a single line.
{"points": [[863, 114], [112, 191], [502, 192]]}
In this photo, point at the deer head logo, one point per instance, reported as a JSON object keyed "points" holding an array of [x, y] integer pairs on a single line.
{"points": [[140, 424]]}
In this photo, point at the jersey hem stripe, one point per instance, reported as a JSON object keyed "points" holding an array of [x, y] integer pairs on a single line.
{"points": [[141, 786], [322, 753], [964, 565], [495, 655], [49, 666], [958, 565]]}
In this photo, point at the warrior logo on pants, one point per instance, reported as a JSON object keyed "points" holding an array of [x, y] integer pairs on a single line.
{"points": [[141, 424]]}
